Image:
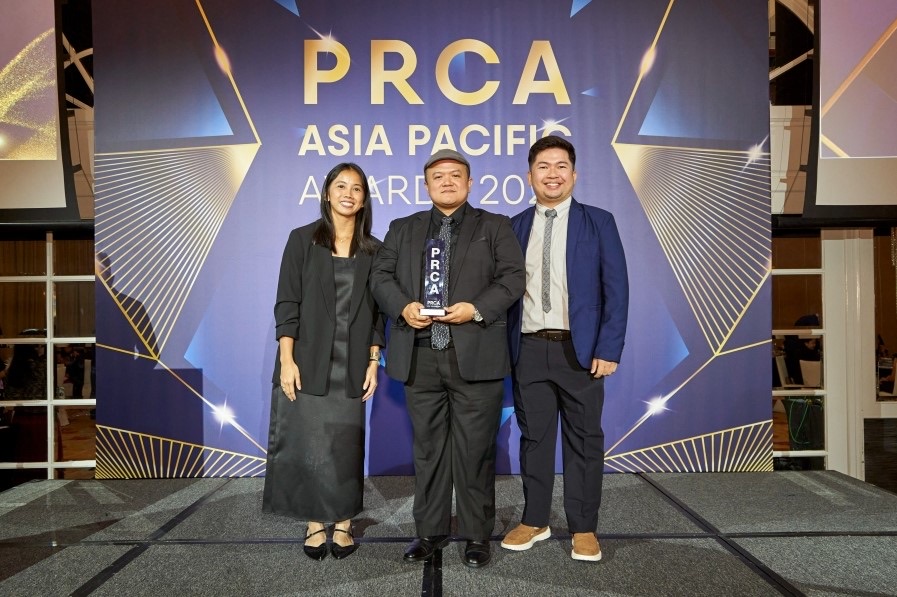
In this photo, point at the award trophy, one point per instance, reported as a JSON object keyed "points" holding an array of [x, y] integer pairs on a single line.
{"points": [[435, 290]]}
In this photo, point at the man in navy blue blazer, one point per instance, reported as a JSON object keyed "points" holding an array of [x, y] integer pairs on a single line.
{"points": [[566, 336]]}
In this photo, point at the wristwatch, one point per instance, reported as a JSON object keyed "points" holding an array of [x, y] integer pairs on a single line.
{"points": [[476, 315]]}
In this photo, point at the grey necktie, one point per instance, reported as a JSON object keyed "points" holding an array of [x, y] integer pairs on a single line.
{"points": [[546, 260], [440, 336]]}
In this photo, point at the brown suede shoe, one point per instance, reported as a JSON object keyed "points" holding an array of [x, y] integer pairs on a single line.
{"points": [[585, 547], [522, 537]]}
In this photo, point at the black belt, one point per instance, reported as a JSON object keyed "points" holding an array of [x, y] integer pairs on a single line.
{"points": [[551, 335], [426, 343]]}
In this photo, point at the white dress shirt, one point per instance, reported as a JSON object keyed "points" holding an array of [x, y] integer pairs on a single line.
{"points": [[534, 319]]}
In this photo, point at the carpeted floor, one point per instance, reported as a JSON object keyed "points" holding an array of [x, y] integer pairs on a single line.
{"points": [[791, 533]]}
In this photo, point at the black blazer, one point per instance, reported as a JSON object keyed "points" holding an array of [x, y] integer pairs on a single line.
{"points": [[306, 295], [487, 270]]}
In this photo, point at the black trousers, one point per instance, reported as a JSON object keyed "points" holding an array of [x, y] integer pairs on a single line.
{"points": [[548, 381], [455, 424]]}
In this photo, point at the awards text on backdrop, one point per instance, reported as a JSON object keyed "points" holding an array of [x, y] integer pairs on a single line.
{"points": [[474, 139]]}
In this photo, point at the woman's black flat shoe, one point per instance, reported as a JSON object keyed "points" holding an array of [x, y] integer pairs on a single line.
{"points": [[340, 552], [319, 552]]}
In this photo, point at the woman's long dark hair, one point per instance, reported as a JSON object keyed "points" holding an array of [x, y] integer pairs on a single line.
{"points": [[22, 366], [325, 233]]}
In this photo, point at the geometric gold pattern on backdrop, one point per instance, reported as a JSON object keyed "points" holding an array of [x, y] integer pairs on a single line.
{"points": [[710, 212], [161, 213], [741, 449], [123, 454]]}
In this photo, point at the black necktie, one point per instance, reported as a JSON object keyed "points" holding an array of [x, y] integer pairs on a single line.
{"points": [[440, 336]]}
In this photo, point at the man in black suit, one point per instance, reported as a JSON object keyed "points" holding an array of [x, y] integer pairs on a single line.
{"points": [[452, 366]]}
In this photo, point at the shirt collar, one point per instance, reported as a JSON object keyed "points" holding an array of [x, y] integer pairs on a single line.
{"points": [[562, 208], [457, 216]]}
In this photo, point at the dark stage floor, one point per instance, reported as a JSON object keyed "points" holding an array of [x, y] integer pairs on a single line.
{"points": [[813, 533]]}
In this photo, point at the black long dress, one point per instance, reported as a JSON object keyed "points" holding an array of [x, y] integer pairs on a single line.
{"points": [[316, 443]]}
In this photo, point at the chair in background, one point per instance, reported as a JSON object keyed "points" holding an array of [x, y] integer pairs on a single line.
{"points": [[782, 370], [811, 371]]}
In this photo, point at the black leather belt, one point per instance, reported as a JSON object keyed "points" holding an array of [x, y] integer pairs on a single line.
{"points": [[425, 343], [551, 335]]}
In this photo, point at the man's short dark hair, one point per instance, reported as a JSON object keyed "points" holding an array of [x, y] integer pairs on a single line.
{"points": [[550, 142]]}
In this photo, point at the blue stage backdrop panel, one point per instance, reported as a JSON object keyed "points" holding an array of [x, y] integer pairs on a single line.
{"points": [[216, 121]]}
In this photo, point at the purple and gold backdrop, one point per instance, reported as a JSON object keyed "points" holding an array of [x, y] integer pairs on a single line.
{"points": [[216, 121]]}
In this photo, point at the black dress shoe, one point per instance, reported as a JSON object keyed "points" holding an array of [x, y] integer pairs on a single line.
{"points": [[316, 553], [477, 553], [338, 551], [423, 548]]}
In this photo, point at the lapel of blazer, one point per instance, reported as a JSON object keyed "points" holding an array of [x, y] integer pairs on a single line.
{"points": [[323, 264], [575, 223], [363, 263], [418, 238], [525, 228], [469, 225]]}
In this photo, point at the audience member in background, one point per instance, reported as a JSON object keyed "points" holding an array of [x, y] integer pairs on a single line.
{"points": [[886, 383], [801, 348], [2, 378], [74, 371], [26, 378], [3, 364]]}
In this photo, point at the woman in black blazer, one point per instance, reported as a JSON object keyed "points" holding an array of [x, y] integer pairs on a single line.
{"points": [[329, 332]]}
